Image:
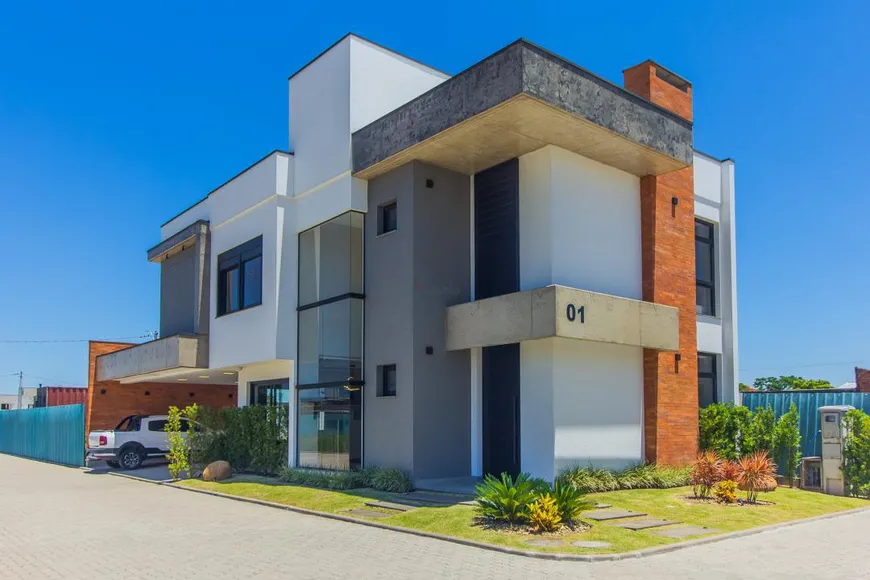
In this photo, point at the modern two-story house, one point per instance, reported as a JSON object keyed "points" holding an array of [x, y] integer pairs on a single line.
{"points": [[520, 267]]}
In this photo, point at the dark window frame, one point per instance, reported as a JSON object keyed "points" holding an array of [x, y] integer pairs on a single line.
{"points": [[280, 384], [384, 387], [714, 375], [710, 241], [236, 259], [390, 206]]}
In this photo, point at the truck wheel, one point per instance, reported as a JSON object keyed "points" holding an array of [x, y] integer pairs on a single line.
{"points": [[130, 458], [113, 464]]}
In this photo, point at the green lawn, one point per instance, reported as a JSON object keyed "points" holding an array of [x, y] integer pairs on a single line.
{"points": [[671, 504]]}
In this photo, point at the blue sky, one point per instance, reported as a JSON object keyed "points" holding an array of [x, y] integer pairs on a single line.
{"points": [[116, 116]]}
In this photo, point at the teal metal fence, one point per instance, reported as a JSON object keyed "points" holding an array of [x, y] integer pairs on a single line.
{"points": [[54, 434], [808, 403]]}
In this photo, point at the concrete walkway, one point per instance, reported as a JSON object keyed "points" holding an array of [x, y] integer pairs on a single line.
{"points": [[64, 523]]}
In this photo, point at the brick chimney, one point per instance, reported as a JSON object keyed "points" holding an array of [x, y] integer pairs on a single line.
{"points": [[670, 380], [862, 380], [658, 85]]}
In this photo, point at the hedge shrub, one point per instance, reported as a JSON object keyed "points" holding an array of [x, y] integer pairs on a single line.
{"points": [[253, 439], [856, 453]]}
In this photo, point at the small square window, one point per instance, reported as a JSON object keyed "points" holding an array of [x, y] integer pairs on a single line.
{"points": [[387, 218], [4, 406], [386, 380]]}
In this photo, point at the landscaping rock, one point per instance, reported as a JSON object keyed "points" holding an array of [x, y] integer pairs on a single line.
{"points": [[592, 545], [217, 471]]}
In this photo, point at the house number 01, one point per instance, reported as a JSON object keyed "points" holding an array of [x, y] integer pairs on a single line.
{"points": [[572, 312]]}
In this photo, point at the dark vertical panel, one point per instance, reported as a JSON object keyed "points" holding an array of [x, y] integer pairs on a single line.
{"points": [[501, 406], [496, 230], [497, 272]]}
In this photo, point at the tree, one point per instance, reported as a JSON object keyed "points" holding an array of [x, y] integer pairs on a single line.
{"points": [[787, 442], [790, 383]]}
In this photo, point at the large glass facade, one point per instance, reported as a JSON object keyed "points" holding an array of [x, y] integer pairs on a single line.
{"points": [[330, 342], [330, 427], [329, 360]]}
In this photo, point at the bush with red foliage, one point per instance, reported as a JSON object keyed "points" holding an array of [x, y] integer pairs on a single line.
{"points": [[757, 474], [706, 472]]}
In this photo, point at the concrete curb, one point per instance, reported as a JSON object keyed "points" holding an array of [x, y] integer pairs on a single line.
{"points": [[504, 549]]}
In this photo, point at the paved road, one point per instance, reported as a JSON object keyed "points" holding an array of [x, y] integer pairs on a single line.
{"points": [[63, 523]]}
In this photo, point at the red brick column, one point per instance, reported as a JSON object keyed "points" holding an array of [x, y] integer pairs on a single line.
{"points": [[668, 255], [862, 380]]}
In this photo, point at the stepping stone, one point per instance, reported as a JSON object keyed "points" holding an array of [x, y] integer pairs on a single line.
{"points": [[604, 515], [685, 531], [367, 513], [470, 502], [592, 545], [644, 524], [603, 506], [544, 543], [437, 498], [390, 505]]}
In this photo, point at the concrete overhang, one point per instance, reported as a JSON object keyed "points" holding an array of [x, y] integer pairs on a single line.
{"points": [[560, 311], [178, 242], [516, 101], [154, 360]]}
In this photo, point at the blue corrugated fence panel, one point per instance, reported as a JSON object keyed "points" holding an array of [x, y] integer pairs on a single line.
{"points": [[55, 434], [808, 404]]}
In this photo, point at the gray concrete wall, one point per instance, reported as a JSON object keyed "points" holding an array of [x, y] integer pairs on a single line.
{"points": [[178, 287], [442, 385], [412, 275], [388, 422]]}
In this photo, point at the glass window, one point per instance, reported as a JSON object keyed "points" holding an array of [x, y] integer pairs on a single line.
{"points": [[240, 277], [231, 290], [704, 269], [388, 218], [130, 423], [707, 392], [387, 381], [157, 425], [253, 283], [270, 393], [331, 259], [330, 342], [329, 428]]}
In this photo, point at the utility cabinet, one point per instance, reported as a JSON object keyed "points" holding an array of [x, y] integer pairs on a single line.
{"points": [[833, 437]]}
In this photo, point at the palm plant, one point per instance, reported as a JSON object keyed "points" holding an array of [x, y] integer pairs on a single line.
{"points": [[570, 501], [505, 498]]}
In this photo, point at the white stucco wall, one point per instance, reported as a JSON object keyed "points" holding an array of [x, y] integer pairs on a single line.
{"points": [[352, 84], [381, 80], [248, 335], [320, 117], [269, 176], [579, 224], [714, 203], [581, 404]]}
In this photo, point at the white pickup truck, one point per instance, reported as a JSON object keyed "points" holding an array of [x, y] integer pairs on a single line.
{"points": [[135, 439]]}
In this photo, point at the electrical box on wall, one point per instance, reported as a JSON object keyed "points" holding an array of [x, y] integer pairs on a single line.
{"points": [[833, 436]]}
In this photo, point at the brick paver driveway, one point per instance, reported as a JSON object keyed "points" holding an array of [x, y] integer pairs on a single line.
{"points": [[57, 522]]}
